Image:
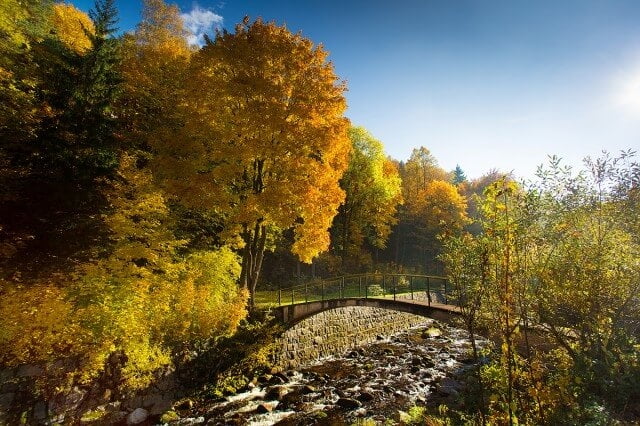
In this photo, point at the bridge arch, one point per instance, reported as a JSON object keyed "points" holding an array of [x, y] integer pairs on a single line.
{"points": [[323, 328]]}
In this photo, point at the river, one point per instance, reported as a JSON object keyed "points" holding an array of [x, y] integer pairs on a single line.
{"points": [[419, 366]]}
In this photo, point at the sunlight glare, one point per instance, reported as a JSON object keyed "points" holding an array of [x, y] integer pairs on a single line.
{"points": [[627, 93]]}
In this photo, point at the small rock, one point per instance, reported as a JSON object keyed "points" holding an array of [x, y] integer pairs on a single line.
{"points": [[304, 407], [448, 392], [449, 387], [117, 417], [360, 412], [264, 408], [307, 389], [40, 411], [276, 380], [349, 403], [264, 378], [190, 421], [365, 397], [30, 370], [432, 332], [5, 401], [276, 393], [187, 404], [282, 376], [138, 415], [169, 416]]}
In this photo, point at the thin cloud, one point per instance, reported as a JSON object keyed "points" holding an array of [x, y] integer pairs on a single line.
{"points": [[200, 21]]}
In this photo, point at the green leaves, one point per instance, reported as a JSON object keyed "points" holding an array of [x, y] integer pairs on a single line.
{"points": [[373, 192], [558, 255]]}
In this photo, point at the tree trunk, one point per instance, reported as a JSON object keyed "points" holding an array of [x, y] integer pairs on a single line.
{"points": [[252, 257]]}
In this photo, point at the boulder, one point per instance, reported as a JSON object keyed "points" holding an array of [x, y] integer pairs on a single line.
{"points": [[138, 416], [348, 403]]}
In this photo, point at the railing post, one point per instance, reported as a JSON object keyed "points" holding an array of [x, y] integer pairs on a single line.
{"points": [[428, 291], [360, 286], [293, 300], [446, 300], [393, 282], [411, 285], [342, 288], [384, 291], [322, 291], [306, 299], [366, 287], [279, 295]]}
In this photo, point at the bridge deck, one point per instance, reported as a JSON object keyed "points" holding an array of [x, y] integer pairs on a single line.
{"points": [[293, 313]]}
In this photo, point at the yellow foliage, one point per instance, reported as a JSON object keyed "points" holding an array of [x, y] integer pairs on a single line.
{"points": [[264, 125], [260, 138], [71, 26], [36, 324], [421, 168], [440, 207], [143, 300], [154, 64]]}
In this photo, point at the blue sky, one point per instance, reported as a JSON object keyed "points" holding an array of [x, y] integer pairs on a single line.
{"points": [[481, 83]]}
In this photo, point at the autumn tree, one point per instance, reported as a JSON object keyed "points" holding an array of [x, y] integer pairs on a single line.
{"points": [[72, 27], [425, 186], [264, 143], [22, 24], [421, 168], [155, 59], [373, 193]]}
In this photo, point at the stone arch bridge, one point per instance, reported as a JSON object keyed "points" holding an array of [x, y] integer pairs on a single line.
{"points": [[331, 316]]}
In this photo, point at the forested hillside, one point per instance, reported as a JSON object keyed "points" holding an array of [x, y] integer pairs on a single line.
{"points": [[150, 188]]}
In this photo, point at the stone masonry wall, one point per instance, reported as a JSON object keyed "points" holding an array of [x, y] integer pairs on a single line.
{"points": [[20, 403], [334, 331]]}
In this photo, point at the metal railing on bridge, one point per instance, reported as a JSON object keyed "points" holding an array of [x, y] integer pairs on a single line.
{"points": [[425, 288]]}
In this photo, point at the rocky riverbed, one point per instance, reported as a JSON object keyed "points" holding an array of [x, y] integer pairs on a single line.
{"points": [[420, 366]]}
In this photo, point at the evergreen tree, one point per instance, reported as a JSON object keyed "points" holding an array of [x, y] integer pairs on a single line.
{"points": [[458, 175], [97, 93]]}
